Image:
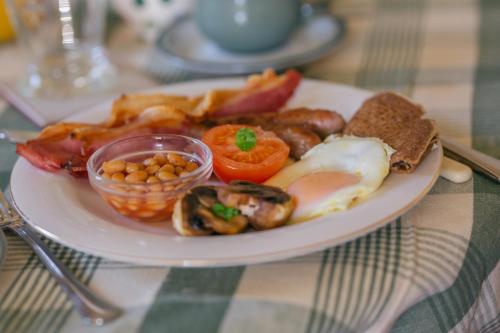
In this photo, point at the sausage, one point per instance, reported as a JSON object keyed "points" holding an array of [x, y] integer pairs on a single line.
{"points": [[300, 128], [322, 122], [252, 120], [299, 139]]}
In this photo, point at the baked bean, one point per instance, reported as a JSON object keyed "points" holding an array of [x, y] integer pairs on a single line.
{"points": [[191, 166], [160, 159], [118, 199], [184, 173], [133, 207], [152, 180], [112, 167], [145, 200], [146, 213], [118, 176], [116, 203], [133, 167], [167, 167], [165, 175], [168, 188], [178, 170], [133, 204], [156, 187], [152, 169], [136, 177], [149, 161], [156, 203], [176, 159]]}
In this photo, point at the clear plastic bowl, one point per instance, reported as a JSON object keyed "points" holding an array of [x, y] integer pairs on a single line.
{"points": [[142, 201]]}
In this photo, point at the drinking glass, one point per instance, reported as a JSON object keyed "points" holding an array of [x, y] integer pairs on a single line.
{"points": [[63, 41]]}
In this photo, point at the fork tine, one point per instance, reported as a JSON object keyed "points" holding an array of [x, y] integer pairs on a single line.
{"points": [[8, 216], [7, 207]]}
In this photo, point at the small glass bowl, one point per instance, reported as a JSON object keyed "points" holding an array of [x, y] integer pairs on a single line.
{"points": [[142, 201]]}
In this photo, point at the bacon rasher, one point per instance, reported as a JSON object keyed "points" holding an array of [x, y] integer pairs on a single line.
{"points": [[69, 145]]}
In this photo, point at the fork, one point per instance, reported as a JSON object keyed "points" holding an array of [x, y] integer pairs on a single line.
{"points": [[92, 309]]}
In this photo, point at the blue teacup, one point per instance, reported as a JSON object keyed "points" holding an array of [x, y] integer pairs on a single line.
{"points": [[248, 25]]}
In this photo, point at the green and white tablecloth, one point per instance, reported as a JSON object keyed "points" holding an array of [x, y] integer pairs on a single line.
{"points": [[435, 269]]}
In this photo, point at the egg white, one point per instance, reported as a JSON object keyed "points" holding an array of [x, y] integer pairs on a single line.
{"points": [[367, 158]]}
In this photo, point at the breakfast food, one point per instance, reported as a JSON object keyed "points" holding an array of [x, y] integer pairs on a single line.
{"points": [[334, 174], [206, 210], [399, 123], [69, 145], [145, 187], [245, 152], [152, 170], [300, 128], [141, 204], [252, 147], [320, 121], [266, 92]]}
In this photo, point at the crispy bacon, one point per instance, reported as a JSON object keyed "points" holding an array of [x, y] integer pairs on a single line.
{"points": [[48, 154], [266, 92], [69, 145], [268, 97]]}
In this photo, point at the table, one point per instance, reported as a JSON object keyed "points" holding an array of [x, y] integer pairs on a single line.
{"points": [[435, 269]]}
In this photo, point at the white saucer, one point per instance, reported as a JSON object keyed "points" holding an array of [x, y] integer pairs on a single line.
{"points": [[183, 45]]}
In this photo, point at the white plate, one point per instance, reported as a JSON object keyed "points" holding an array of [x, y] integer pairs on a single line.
{"points": [[70, 212]]}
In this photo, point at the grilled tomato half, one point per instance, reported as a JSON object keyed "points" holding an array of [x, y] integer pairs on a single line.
{"points": [[245, 152]]}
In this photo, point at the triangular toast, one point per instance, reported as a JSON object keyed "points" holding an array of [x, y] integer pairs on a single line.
{"points": [[399, 123]]}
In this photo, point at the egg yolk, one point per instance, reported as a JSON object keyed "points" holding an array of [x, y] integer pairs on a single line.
{"points": [[311, 188]]}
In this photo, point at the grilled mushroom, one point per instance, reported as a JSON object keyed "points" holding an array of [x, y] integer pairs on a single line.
{"points": [[222, 226], [265, 206], [229, 209], [194, 216]]}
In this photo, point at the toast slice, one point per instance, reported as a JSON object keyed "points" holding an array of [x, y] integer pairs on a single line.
{"points": [[399, 123]]}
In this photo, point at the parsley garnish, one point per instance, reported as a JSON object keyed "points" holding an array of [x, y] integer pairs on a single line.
{"points": [[224, 212], [246, 139]]}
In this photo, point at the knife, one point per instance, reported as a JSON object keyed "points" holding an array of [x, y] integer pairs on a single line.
{"points": [[482, 163]]}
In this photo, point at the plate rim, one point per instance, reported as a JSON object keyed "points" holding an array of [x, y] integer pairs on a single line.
{"points": [[240, 260], [219, 68]]}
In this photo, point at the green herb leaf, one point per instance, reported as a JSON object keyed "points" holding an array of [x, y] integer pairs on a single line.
{"points": [[224, 212], [246, 139]]}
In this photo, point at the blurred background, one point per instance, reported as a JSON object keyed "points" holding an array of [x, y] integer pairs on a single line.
{"points": [[417, 47]]}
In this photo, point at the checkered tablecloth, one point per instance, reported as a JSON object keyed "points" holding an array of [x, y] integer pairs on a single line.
{"points": [[434, 269]]}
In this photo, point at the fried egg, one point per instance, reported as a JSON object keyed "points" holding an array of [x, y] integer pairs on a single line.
{"points": [[334, 174]]}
